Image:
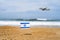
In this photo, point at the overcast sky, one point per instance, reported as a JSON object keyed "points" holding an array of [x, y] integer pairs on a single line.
{"points": [[29, 9]]}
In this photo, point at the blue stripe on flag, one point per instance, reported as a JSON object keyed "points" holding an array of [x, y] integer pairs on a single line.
{"points": [[25, 27], [24, 23]]}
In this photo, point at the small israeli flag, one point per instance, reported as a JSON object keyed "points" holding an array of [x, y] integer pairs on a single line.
{"points": [[25, 25]]}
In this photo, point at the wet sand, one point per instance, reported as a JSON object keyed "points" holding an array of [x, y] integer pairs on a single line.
{"points": [[17, 33]]}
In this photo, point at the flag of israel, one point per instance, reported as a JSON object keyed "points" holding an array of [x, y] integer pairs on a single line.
{"points": [[25, 25]]}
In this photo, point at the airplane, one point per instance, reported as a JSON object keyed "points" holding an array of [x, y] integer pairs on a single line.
{"points": [[44, 9]]}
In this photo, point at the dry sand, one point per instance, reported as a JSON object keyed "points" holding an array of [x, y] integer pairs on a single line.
{"points": [[16, 33]]}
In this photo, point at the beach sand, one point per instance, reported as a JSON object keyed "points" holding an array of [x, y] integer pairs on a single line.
{"points": [[17, 33]]}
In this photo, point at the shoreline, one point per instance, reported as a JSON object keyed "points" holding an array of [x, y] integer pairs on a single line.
{"points": [[35, 26]]}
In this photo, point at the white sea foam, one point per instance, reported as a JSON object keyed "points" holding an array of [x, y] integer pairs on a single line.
{"points": [[17, 23]]}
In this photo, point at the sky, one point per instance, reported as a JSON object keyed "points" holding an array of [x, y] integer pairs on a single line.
{"points": [[14, 9]]}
